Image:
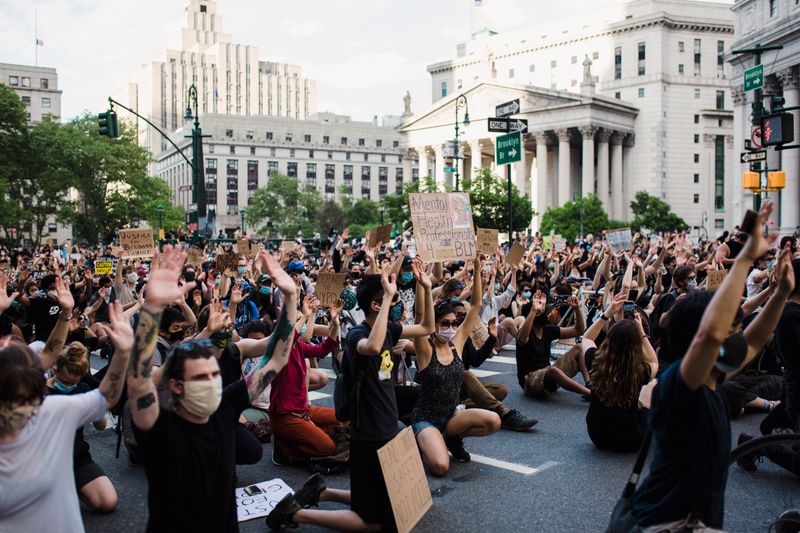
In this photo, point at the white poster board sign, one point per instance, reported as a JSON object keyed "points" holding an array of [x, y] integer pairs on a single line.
{"points": [[251, 506], [619, 239]]}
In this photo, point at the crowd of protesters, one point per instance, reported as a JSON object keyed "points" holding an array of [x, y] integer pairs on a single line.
{"points": [[210, 361]]}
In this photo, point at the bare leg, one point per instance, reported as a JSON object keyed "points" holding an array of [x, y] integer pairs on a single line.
{"points": [[473, 423], [563, 380], [100, 495], [317, 378], [434, 451], [335, 495], [338, 520]]}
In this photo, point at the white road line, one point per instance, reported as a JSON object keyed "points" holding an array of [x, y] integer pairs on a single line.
{"points": [[502, 359], [483, 373], [314, 395], [513, 467]]}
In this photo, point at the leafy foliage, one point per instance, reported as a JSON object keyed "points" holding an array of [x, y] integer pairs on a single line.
{"points": [[488, 194], [654, 213], [566, 220], [284, 206], [396, 205]]}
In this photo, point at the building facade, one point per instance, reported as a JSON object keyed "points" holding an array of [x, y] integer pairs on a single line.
{"points": [[37, 87], [660, 61], [327, 152], [773, 22], [229, 77]]}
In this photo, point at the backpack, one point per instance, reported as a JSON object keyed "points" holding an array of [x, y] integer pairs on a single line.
{"points": [[347, 389]]}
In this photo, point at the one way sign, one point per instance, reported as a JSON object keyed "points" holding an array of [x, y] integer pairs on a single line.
{"points": [[750, 157], [507, 109]]}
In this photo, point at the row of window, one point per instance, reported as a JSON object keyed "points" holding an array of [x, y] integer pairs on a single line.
{"points": [[25, 81], [720, 101], [642, 54], [289, 137], [26, 100], [311, 153]]}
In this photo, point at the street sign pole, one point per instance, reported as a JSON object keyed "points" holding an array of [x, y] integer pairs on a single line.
{"points": [[508, 150], [510, 214]]}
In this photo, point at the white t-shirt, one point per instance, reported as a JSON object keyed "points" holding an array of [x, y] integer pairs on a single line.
{"points": [[752, 286], [37, 483]]}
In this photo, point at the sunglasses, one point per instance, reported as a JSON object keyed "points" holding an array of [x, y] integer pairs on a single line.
{"points": [[450, 324]]}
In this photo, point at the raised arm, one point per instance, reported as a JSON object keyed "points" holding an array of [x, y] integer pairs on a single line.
{"points": [[537, 307], [57, 338], [119, 330], [580, 325], [428, 324], [463, 331], [162, 290], [718, 317]]}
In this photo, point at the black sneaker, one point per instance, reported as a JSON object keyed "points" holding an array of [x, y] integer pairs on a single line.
{"points": [[515, 421], [281, 515], [749, 462], [278, 458], [456, 447], [308, 495]]}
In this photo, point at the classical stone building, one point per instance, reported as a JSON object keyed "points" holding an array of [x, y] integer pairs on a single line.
{"points": [[773, 22]]}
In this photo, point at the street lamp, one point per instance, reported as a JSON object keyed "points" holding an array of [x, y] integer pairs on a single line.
{"points": [[197, 155], [242, 211], [461, 101], [160, 209]]}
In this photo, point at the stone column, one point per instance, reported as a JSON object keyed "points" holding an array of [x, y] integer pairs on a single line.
{"points": [[741, 130], [424, 170], [587, 160], [438, 169], [564, 176], [408, 171], [490, 143], [790, 196], [518, 168], [627, 143], [602, 168], [616, 175], [541, 183], [476, 160]]}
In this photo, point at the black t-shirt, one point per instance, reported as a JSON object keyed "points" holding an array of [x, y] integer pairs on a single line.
{"points": [[615, 428], [230, 364], [377, 405], [691, 446], [191, 468], [43, 313], [787, 334], [535, 354]]}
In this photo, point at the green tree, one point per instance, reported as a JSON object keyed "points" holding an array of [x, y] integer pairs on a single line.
{"points": [[488, 195], [285, 204], [396, 205], [362, 216], [330, 216], [654, 213], [13, 135], [566, 220]]}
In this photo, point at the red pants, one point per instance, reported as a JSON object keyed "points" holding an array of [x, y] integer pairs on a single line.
{"points": [[303, 438]]}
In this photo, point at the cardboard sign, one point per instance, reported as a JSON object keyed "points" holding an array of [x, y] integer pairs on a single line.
{"points": [[380, 234], [136, 242], [116, 251], [259, 505], [227, 261], [487, 240], [560, 243], [514, 255], [715, 278], [243, 247], [103, 268], [194, 256], [442, 226], [405, 479], [288, 246], [619, 239], [329, 287], [479, 334]]}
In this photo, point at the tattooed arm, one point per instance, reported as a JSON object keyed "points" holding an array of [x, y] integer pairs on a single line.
{"points": [[119, 331], [276, 353]]}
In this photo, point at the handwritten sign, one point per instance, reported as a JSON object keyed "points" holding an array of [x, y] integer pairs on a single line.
{"points": [[103, 268], [514, 255], [487, 240], [405, 479], [227, 261], [442, 226], [479, 334], [329, 287], [560, 243], [136, 242], [619, 239], [380, 234], [259, 505], [715, 278], [288, 246], [243, 247]]}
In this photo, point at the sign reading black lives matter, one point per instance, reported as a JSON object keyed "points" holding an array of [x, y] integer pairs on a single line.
{"points": [[443, 228]]}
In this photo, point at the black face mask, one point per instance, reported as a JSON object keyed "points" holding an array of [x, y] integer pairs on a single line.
{"points": [[175, 336], [189, 276], [355, 275]]}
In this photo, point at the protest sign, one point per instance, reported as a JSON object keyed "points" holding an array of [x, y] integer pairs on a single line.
{"points": [[262, 500], [514, 255], [479, 333], [329, 287], [406, 483], [136, 243], [380, 234], [546, 241], [560, 243], [103, 268], [619, 239], [442, 226], [288, 246], [194, 256], [227, 261], [243, 247], [715, 278], [487, 240]]}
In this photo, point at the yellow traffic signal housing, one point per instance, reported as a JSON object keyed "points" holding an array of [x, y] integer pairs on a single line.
{"points": [[776, 179], [751, 180]]}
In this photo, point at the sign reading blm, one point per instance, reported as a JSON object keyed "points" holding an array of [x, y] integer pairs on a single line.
{"points": [[136, 243], [442, 226]]}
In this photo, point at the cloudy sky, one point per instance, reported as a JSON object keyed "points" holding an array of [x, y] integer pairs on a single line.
{"points": [[364, 54]]}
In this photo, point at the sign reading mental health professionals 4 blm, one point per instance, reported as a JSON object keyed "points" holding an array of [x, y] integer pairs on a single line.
{"points": [[507, 148], [442, 226], [754, 78]]}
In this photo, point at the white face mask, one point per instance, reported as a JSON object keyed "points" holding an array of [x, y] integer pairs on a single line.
{"points": [[202, 398], [133, 277], [15, 418], [446, 334]]}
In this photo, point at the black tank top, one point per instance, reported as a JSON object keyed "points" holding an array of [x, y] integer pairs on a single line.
{"points": [[440, 391]]}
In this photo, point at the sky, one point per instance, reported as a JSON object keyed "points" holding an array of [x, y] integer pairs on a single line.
{"points": [[363, 54]]}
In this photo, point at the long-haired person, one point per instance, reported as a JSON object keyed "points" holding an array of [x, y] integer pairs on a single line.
{"points": [[623, 364]]}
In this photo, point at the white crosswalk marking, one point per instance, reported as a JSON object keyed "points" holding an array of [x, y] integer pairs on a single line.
{"points": [[315, 395], [503, 359], [482, 373], [513, 467]]}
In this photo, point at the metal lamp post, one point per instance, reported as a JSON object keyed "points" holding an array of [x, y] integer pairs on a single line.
{"points": [[160, 209], [242, 211], [461, 101], [197, 153]]}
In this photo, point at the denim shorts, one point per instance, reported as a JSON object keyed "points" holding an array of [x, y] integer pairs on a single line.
{"points": [[422, 424]]}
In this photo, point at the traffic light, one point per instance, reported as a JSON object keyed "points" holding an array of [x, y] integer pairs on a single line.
{"points": [[108, 125], [777, 129], [776, 180]]}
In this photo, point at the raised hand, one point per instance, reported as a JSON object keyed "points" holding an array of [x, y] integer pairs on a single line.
{"points": [[756, 244], [165, 270], [64, 296], [218, 318], [616, 304], [5, 299], [118, 328], [784, 273], [573, 302], [236, 295], [280, 277], [334, 310], [539, 301], [389, 283], [419, 273]]}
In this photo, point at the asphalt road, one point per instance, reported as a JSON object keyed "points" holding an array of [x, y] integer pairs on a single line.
{"points": [[573, 486]]}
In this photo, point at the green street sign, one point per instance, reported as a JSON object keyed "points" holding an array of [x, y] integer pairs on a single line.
{"points": [[508, 148], [754, 78]]}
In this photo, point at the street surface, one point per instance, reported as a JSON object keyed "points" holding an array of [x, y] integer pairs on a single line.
{"points": [[552, 479]]}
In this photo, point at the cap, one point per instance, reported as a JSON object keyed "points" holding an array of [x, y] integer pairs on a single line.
{"points": [[295, 266], [732, 353], [246, 287], [263, 279]]}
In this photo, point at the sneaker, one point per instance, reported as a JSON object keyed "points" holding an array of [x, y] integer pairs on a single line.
{"points": [[308, 495], [749, 462], [278, 458], [456, 447], [515, 421], [281, 515]]}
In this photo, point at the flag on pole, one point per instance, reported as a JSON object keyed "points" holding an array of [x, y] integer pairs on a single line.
{"points": [[39, 42]]}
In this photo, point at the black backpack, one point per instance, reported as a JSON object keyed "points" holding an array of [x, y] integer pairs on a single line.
{"points": [[347, 389]]}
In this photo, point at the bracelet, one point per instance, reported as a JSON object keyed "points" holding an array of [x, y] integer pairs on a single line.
{"points": [[602, 317], [61, 318]]}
